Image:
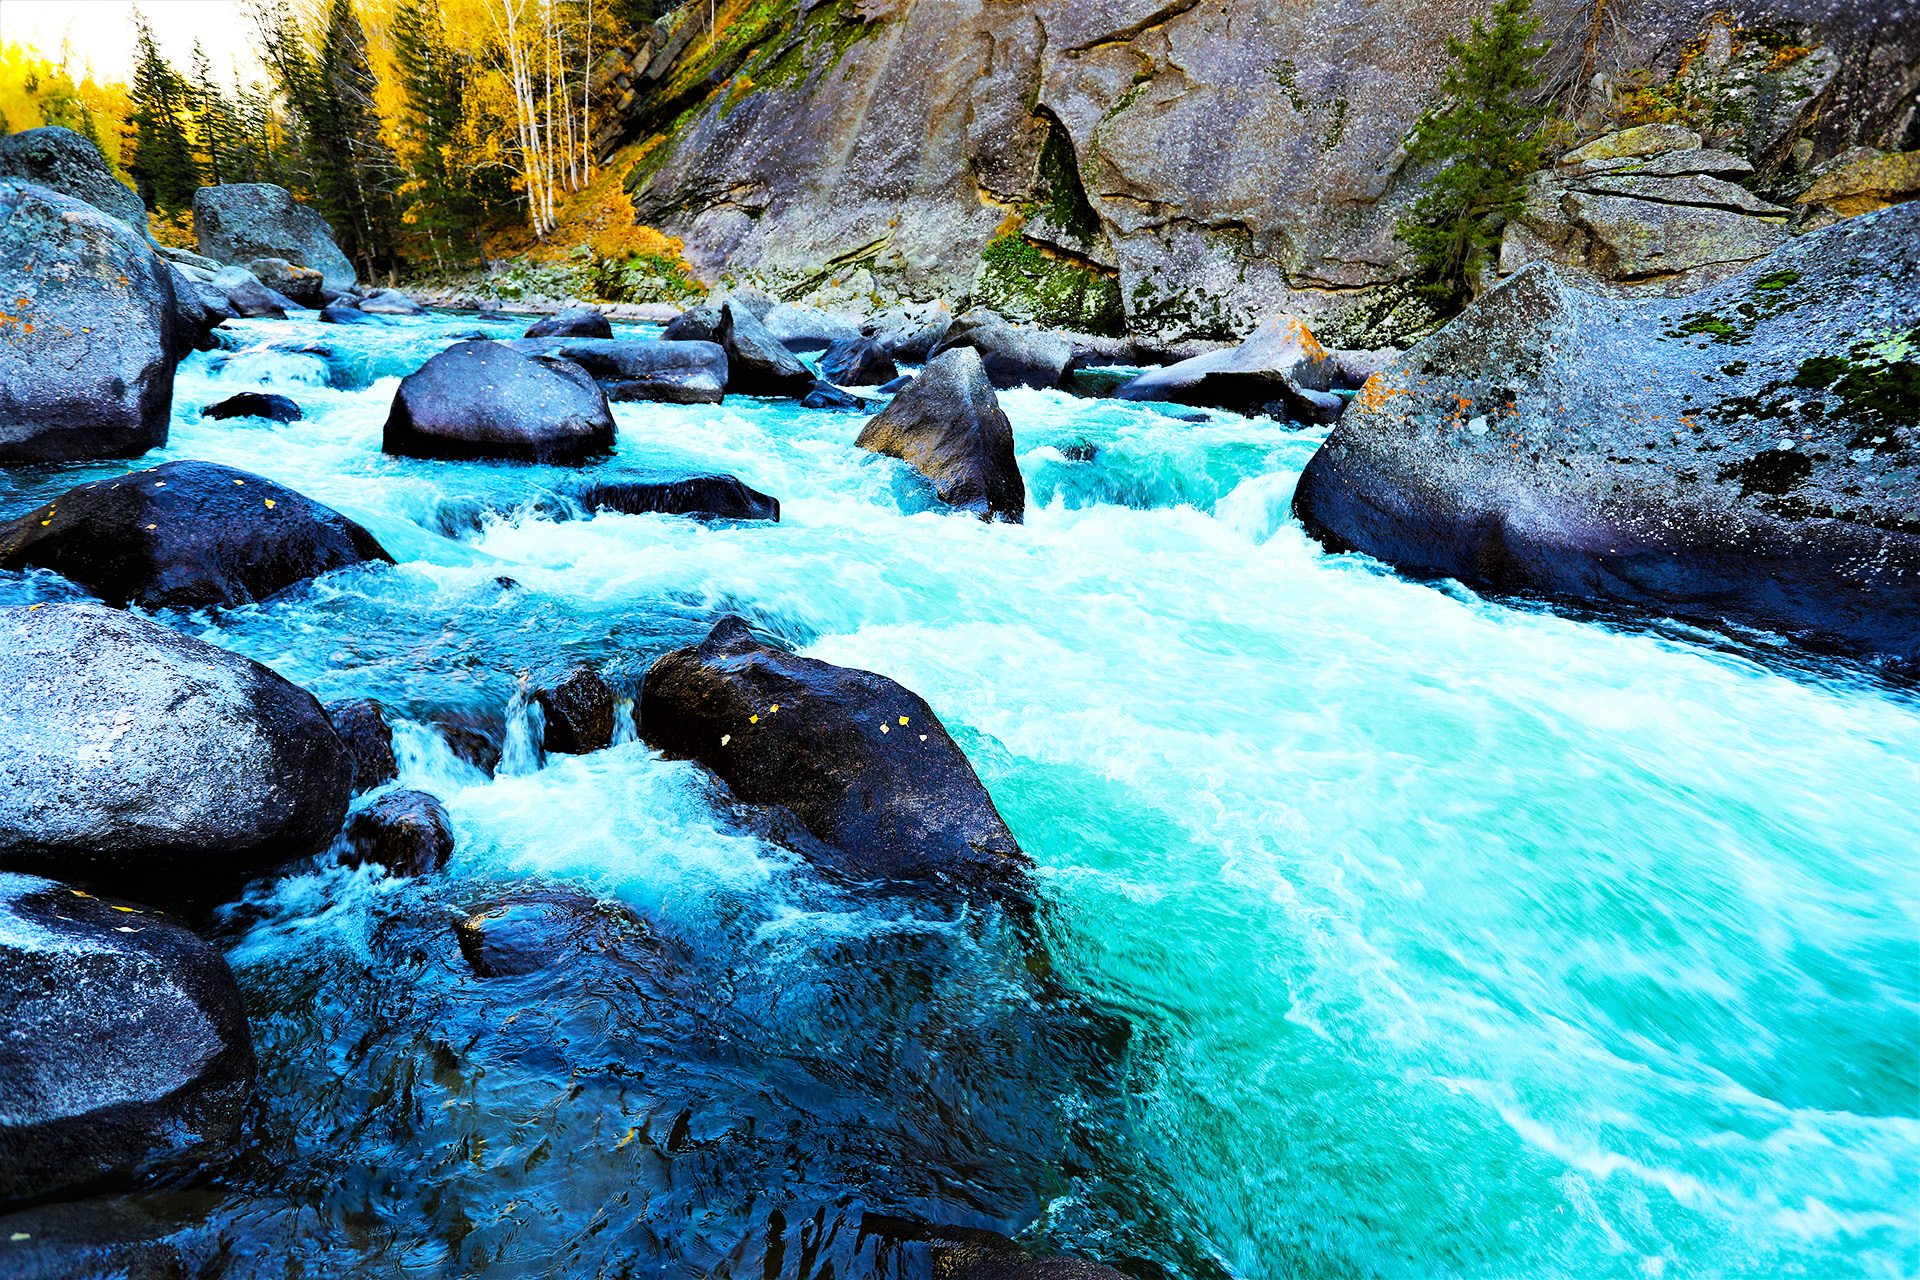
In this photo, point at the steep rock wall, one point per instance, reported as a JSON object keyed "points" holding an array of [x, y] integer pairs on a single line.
{"points": [[1216, 160]]}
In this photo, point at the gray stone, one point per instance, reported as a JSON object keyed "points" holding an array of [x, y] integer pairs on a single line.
{"points": [[64, 161], [1014, 357], [302, 284], [1641, 140], [807, 328], [858, 362], [93, 328], [697, 324], [1744, 457], [1686, 189], [140, 758], [947, 425], [758, 364], [389, 302], [407, 832], [1633, 239], [485, 400], [1281, 363], [123, 1041], [249, 296], [241, 221], [188, 258], [574, 322], [673, 372]]}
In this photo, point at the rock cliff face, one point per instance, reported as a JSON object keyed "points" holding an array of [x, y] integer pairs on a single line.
{"points": [[1193, 163]]}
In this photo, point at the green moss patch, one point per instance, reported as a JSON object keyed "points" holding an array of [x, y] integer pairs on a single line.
{"points": [[1021, 280]]}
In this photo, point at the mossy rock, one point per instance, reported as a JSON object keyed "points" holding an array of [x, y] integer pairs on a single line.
{"points": [[1018, 279]]}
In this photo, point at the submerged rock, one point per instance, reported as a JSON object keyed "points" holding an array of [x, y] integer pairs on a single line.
{"points": [[486, 400], [407, 832], [574, 322], [716, 497], [1280, 363], [670, 372], [363, 728], [858, 362], [862, 762], [389, 302], [255, 404], [535, 930], [241, 221], [140, 758], [988, 1255], [578, 708], [1743, 457], [124, 1043], [1013, 357], [947, 425], [824, 395], [87, 353], [64, 161], [757, 363], [346, 310], [184, 535]]}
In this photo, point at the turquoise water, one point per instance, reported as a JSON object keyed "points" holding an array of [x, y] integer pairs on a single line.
{"points": [[1394, 932]]}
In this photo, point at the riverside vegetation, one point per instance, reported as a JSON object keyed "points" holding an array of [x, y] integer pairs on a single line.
{"points": [[614, 671]]}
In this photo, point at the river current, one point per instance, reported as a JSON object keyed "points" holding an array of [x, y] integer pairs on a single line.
{"points": [[1393, 931]]}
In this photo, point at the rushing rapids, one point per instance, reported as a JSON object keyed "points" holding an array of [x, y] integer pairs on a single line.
{"points": [[1383, 929]]}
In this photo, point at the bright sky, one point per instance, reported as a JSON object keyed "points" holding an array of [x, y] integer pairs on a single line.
{"points": [[101, 32]]}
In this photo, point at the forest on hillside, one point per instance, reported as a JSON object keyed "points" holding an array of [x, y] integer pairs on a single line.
{"points": [[431, 134]]}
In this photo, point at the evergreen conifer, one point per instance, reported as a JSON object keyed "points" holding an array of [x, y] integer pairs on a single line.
{"points": [[161, 153], [1484, 132]]}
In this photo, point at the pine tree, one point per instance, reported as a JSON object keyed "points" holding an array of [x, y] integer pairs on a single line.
{"points": [[435, 81], [1484, 133], [162, 155]]}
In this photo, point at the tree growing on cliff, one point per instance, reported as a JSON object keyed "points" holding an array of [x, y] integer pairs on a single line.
{"points": [[1484, 132]]}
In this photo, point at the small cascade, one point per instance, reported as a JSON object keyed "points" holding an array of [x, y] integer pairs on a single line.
{"points": [[522, 753]]}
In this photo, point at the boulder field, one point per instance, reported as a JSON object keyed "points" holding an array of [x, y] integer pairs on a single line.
{"points": [[1743, 457], [862, 762], [185, 535]]}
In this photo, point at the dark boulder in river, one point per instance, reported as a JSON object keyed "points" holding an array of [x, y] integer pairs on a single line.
{"points": [[346, 310], [715, 497], [407, 832], [758, 364], [255, 404], [486, 400], [579, 709], [241, 221], [696, 324], [123, 1041], [363, 728], [184, 535], [1014, 357], [1279, 365], [670, 372], [858, 362], [87, 352], [540, 929], [303, 285], [139, 758], [947, 424], [1746, 456], [249, 295], [574, 322], [861, 761]]}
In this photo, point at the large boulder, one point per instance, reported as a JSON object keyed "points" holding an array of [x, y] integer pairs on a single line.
{"points": [[90, 336], [758, 364], [714, 497], [1279, 365], [185, 535], [388, 302], [669, 371], [123, 1040], [240, 221], [346, 310], [363, 729], [138, 757], [574, 322], [486, 400], [858, 362], [302, 284], [578, 708], [947, 425], [64, 161], [696, 324], [1014, 357], [1744, 457], [909, 335], [801, 328], [860, 761], [198, 310], [249, 295]]}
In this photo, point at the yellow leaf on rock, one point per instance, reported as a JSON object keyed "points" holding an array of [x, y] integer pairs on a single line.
{"points": [[269, 501]]}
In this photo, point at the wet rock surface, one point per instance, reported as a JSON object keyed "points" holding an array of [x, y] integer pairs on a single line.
{"points": [[1743, 457], [407, 832], [141, 759], [363, 729], [947, 425], [486, 400], [539, 929], [671, 372], [184, 535], [240, 221], [579, 708], [1013, 357], [858, 362], [256, 404], [249, 296], [72, 276], [1281, 366], [716, 497], [123, 1041], [574, 322], [862, 762], [758, 364]]}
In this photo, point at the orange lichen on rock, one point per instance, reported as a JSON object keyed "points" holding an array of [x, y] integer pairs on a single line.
{"points": [[1376, 392]]}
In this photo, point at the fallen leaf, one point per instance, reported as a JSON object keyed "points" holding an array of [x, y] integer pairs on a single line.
{"points": [[269, 501]]}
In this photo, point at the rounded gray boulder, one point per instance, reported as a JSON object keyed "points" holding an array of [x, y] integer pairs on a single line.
{"points": [[486, 400], [240, 221], [141, 759], [64, 161]]}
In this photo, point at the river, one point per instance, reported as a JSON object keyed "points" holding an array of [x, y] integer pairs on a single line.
{"points": [[1394, 931]]}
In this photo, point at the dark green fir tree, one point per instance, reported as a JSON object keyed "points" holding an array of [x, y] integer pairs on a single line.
{"points": [[1483, 133], [161, 154]]}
